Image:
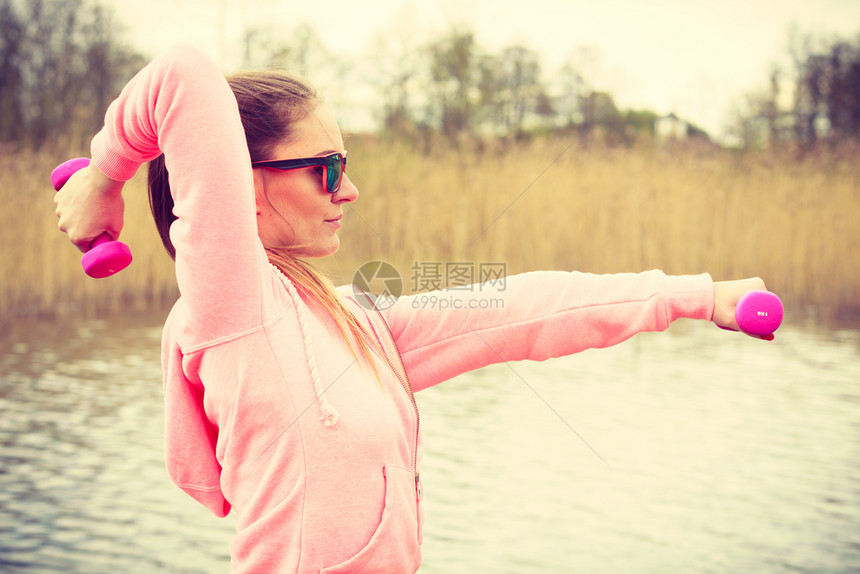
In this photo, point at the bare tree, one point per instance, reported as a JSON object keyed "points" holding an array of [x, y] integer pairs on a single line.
{"points": [[300, 50], [824, 80], [61, 64], [573, 89], [843, 95], [452, 81], [396, 74], [11, 76]]}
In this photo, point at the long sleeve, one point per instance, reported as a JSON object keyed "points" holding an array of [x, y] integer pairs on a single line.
{"points": [[537, 316], [180, 105]]}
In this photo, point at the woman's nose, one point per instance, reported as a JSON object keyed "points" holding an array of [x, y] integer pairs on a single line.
{"points": [[347, 191]]}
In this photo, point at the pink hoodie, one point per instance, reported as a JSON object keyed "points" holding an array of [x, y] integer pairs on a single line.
{"points": [[266, 409]]}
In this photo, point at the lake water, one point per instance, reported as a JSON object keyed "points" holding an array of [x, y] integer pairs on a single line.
{"points": [[692, 451]]}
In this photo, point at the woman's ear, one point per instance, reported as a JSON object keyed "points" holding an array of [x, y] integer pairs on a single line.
{"points": [[260, 189]]}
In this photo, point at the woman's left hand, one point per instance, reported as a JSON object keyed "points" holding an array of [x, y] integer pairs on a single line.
{"points": [[726, 296]]}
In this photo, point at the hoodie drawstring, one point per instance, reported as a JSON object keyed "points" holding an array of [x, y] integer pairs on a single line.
{"points": [[328, 415]]}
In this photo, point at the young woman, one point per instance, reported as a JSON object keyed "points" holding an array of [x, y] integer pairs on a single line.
{"points": [[286, 399]]}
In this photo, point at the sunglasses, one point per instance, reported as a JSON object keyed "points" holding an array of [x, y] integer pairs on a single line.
{"points": [[333, 165]]}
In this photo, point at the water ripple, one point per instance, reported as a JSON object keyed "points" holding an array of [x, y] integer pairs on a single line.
{"points": [[724, 455]]}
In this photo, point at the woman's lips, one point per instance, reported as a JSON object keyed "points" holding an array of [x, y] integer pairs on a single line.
{"points": [[335, 221]]}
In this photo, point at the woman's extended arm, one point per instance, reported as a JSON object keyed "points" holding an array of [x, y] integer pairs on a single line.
{"points": [[537, 316]]}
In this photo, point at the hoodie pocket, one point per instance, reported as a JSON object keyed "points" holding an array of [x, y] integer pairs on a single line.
{"points": [[394, 546]]}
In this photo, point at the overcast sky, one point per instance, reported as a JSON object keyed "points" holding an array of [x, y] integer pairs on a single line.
{"points": [[691, 57]]}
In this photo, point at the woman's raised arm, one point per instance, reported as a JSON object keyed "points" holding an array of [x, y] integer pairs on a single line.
{"points": [[180, 105]]}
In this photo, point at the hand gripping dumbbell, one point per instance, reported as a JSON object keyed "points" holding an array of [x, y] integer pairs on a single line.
{"points": [[104, 257]]}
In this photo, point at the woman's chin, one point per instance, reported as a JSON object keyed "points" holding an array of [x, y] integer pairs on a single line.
{"points": [[320, 250]]}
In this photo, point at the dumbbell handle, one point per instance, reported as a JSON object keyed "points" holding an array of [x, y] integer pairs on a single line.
{"points": [[104, 257]]}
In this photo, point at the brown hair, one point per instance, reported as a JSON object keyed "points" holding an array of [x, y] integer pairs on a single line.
{"points": [[270, 103]]}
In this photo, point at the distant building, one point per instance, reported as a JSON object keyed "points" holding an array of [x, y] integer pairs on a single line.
{"points": [[670, 127]]}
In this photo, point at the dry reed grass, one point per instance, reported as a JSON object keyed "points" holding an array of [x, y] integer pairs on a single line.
{"points": [[538, 206], [562, 206], [41, 270]]}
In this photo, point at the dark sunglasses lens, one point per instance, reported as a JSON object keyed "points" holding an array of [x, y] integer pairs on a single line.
{"points": [[334, 172]]}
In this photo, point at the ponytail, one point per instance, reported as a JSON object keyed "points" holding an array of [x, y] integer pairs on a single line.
{"points": [[161, 202]]}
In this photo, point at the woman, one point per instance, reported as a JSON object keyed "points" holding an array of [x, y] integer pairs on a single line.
{"points": [[285, 399]]}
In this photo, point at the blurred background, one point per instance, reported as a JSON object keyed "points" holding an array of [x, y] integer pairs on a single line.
{"points": [[691, 137]]}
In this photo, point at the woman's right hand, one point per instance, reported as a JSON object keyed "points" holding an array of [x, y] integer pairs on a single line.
{"points": [[88, 205]]}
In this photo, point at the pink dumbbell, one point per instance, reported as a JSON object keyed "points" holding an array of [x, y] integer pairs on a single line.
{"points": [[759, 313], [104, 256]]}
